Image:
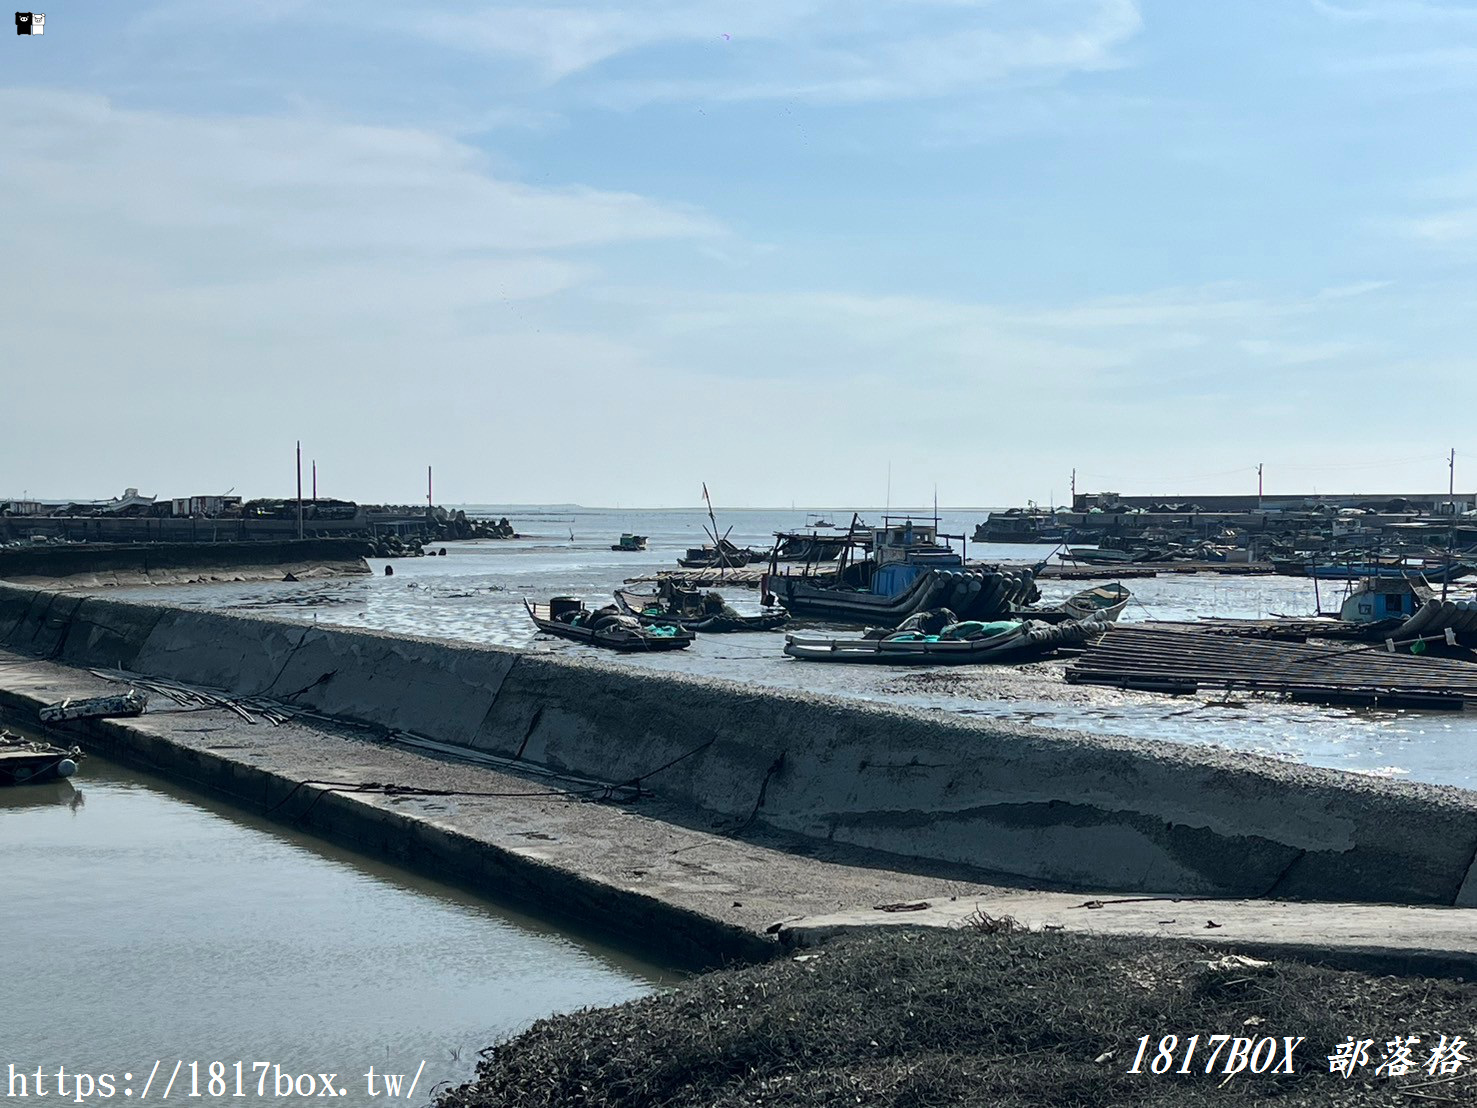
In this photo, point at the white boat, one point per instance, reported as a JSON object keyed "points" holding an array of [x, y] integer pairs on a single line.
{"points": [[1105, 602]]}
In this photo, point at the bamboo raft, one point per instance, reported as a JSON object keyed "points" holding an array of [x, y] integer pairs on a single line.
{"points": [[1284, 629], [1179, 661], [740, 576], [748, 576], [1124, 570]]}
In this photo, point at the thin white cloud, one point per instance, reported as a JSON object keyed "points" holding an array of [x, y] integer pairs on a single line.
{"points": [[1446, 228], [1299, 353], [820, 50], [962, 47], [300, 185], [1354, 288], [1396, 11]]}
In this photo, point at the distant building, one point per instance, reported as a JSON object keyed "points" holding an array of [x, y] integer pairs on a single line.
{"points": [[1436, 503], [129, 504], [205, 507]]}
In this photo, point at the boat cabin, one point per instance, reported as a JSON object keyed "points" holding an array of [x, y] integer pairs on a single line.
{"points": [[1381, 598], [904, 551]]}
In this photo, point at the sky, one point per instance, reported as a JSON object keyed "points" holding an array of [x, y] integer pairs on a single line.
{"points": [[795, 249]]}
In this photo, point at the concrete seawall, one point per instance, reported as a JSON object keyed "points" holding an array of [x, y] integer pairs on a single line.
{"points": [[90, 565], [1042, 804]]}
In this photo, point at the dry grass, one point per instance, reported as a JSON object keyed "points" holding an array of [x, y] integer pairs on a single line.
{"points": [[982, 1016]]}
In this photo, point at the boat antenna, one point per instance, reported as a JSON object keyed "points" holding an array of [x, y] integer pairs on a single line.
{"points": [[888, 506]]}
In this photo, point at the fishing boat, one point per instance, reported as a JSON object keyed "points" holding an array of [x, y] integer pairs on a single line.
{"points": [[31, 761], [886, 574], [722, 555], [1106, 602], [568, 618], [694, 611], [1095, 556], [1020, 525], [967, 642], [630, 543], [1420, 569], [808, 545]]}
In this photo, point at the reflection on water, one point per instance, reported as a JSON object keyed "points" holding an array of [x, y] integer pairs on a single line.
{"points": [[149, 923], [475, 592]]}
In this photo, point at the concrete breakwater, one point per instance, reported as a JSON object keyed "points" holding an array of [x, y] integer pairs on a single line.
{"points": [[89, 565], [1045, 805]]}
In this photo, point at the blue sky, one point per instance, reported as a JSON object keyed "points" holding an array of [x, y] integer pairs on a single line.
{"points": [[604, 252]]}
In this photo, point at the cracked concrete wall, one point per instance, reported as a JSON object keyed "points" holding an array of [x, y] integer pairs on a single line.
{"points": [[1090, 811]]}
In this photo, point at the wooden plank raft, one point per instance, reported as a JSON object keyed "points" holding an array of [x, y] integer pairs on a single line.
{"points": [[1164, 660], [741, 576]]}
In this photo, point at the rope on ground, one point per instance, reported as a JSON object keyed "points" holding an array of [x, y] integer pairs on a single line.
{"points": [[603, 792]]}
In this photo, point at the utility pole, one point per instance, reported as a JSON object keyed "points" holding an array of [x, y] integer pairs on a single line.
{"points": [[428, 488], [315, 480], [1259, 486], [299, 488], [1451, 533]]}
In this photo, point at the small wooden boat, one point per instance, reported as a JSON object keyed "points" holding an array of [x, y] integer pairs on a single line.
{"points": [[630, 543], [30, 761], [1095, 557], [1106, 602], [610, 628], [958, 644], [691, 611], [131, 703]]}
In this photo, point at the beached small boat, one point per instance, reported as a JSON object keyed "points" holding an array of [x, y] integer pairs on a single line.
{"points": [[31, 761], [970, 642], [610, 628], [692, 611], [1095, 557], [630, 543], [1106, 602]]}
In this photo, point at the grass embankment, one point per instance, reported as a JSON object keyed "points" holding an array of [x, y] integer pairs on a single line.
{"points": [[969, 1018]]}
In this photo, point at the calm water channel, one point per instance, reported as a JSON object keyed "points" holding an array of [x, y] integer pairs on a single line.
{"points": [[142, 922]]}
